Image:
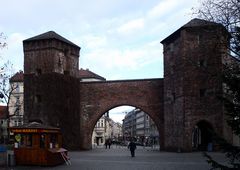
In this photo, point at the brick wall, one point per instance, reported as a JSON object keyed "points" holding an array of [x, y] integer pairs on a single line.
{"points": [[54, 99], [99, 97]]}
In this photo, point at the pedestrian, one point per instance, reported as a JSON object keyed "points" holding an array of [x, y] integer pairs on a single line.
{"points": [[132, 146], [106, 144], [109, 143]]}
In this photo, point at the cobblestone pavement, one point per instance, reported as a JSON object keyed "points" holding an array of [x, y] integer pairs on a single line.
{"points": [[119, 159]]}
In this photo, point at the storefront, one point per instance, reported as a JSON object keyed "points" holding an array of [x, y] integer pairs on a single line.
{"points": [[37, 144]]}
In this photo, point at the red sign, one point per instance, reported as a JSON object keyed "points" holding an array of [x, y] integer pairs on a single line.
{"points": [[34, 131]]}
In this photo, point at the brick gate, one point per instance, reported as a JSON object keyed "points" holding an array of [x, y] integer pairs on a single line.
{"points": [[177, 103], [96, 98]]}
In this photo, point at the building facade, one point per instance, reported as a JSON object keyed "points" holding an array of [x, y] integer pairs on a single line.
{"points": [[138, 125], [101, 132], [106, 129], [117, 134], [16, 100]]}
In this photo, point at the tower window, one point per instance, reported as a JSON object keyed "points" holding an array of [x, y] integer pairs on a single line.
{"points": [[173, 97], [202, 63], [66, 52], [59, 62], [66, 72], [199, 39], [202, 92], [171, 47], [38, 99], [38, 71]]}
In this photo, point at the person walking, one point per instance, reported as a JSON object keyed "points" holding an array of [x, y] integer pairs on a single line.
{"points": [[109, 143], [132, 146], [106, 144]]}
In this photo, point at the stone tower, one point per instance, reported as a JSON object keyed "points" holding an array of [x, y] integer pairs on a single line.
{"points": [[192, 62], [50, 53], [51, 86]]}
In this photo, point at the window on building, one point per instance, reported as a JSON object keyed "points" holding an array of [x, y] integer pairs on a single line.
{"points": [[202, 92], [38, 98], [171, 47], [19, 122], [66, 72], [66, 51], [42, 141], [59, 62], [17, 100], [202, 63], [199, 39], [29, 140], [17, 88], [173, 97], [53, 140], [38, 71]]}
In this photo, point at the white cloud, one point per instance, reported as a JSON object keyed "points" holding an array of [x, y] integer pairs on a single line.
{"points": [[15, 40], [131, 26], [114, 36], [93, 42], [163, 8], [122, 59], [117, 117], [14, 51], [121, 110]]}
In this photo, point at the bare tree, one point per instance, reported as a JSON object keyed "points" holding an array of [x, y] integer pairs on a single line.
{"points": [[6, 89], [2, 41], [225, 12]]}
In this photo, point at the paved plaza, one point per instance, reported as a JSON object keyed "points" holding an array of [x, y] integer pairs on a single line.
{"points": [[118, 158]]}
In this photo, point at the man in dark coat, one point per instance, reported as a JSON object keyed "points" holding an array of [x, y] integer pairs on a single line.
{"points": [[132, 146], [106, 144]]}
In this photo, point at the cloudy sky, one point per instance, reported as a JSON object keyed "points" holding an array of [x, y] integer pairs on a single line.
{"points": [[119, 39]]}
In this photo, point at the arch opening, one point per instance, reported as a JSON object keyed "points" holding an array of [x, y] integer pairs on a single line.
{"points": [[202, 136], [123, 123]]}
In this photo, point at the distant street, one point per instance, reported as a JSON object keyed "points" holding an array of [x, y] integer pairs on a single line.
{"points": [[118, 158]]}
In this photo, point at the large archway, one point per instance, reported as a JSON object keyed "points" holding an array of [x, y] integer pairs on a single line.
{"points": [[124, 123], [99, 97], [110, 127]]}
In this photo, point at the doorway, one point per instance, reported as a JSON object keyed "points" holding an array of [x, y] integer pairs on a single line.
{"points": [[202, 137]]}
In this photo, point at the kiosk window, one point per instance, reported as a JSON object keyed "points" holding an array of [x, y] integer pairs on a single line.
{"points": [[42, 141], [53, 140], [29, 140]]}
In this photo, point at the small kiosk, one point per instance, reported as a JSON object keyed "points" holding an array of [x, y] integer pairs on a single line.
{"points": [[37, 144]]}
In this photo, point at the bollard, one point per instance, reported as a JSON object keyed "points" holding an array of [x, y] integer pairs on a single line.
{"points": [[11, 159], [3, 151]]}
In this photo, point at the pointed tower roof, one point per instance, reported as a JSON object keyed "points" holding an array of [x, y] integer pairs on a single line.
{"points": [[193, 23], [50, 35], [199, 22]]}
